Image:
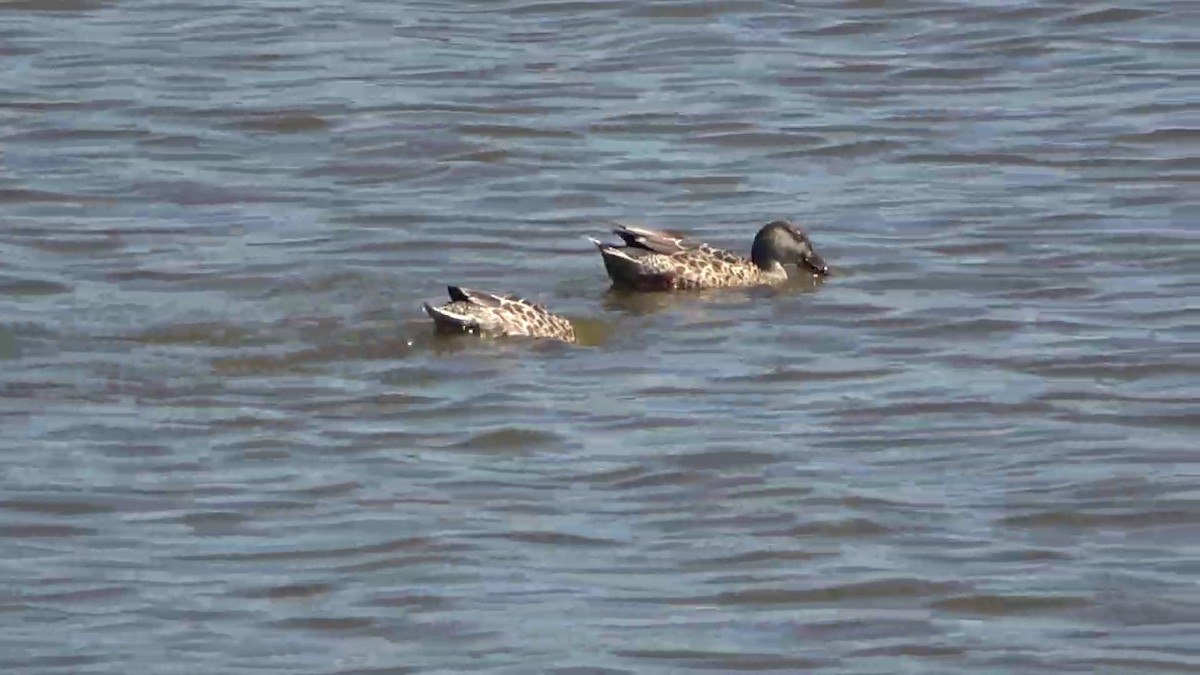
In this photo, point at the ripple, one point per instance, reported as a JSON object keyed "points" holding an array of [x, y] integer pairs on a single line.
{"points": [[283, 123], [840, 529], [54, 5], [22, 196], [56, 507], [40, 530], [1073, 520], [888, 588], [289, 592], [752, 559], [34, 287], [1109, 15], [326, 624], [557, 539], [727, 661], [1010, 604]]}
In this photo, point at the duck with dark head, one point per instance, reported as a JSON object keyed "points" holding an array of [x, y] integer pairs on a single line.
{"points": [[653, 260]]}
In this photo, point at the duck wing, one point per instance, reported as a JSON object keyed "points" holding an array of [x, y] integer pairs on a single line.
{"points": [[482, 298], [488, 299], [656, 241]]}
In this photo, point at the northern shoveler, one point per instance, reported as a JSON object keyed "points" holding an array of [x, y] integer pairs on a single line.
{"points": [[494, 315], [652, 260]]}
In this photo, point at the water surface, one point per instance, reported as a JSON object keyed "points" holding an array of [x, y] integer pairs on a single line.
{"points": [[232, 444]]}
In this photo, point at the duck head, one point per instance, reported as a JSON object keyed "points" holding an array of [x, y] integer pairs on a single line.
{"points": [[786, 244]]}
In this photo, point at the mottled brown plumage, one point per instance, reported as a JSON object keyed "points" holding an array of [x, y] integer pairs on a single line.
{"points": [[495, 315], [652, 260]]}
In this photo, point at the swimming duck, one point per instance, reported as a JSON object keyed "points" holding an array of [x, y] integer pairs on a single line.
{"points": [[652, 260], [486, 313]]}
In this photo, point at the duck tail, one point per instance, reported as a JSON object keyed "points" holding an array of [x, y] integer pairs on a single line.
{"points": [[599, 244]]}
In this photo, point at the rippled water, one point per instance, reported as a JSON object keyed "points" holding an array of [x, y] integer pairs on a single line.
{"points": [[232, 443]]}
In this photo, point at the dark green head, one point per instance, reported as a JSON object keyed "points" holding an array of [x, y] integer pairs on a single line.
{"points": [[782, 242]]}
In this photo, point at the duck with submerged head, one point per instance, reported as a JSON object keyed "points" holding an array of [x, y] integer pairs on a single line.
{"points": [[493, 315], [653, 260]]}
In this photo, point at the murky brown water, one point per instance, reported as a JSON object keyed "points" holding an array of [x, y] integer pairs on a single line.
{"points": [[231, 443]]}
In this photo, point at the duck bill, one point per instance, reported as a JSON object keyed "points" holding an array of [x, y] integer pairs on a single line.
{"points": [[816, 265]]}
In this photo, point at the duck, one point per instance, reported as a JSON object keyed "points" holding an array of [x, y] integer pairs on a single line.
{"points": [[655, 260], [494, 315]]}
